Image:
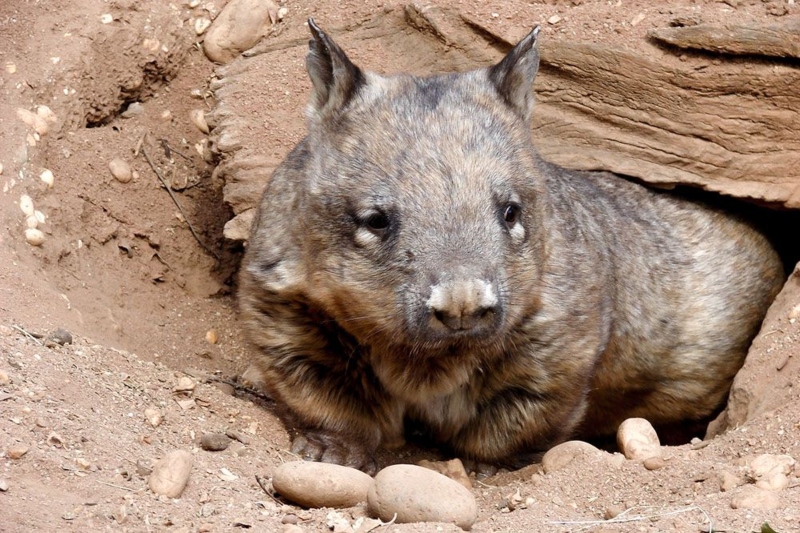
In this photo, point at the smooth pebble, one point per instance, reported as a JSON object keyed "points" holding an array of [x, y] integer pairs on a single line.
{"points": [[321, 484], [638, 440], [34, 236], [410, 493], [171, 473], [214, 442], [238, 27], [558, 457], [120, 169]]}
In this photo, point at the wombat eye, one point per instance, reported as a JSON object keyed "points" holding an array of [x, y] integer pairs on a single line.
{"points": [[377, 222], [511, 214]]}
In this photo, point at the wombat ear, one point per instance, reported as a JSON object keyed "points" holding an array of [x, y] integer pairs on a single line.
{"points": [[513, 76], [335, 78]]}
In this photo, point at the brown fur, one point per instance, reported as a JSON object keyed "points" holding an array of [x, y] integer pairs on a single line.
{"points": [[414, 258]]}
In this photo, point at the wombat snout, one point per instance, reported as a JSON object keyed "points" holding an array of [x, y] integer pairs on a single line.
{"points": [[464, 305]]}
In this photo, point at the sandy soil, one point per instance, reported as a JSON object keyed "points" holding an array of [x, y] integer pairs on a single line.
{"points": [[148, 303]]}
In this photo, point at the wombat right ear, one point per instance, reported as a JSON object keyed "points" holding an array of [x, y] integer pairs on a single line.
{"points": [[513, 76], [335, 78]]}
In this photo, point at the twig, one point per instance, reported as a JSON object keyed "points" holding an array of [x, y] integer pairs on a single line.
{"points": [[260, 482], [622, 519], [116, 486], [175, 200], [169, 149], [27, 334]]}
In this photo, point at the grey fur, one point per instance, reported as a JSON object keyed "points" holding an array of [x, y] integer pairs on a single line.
{"points": [[414, 258]]}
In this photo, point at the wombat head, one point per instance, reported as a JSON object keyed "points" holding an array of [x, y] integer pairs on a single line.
{"points": [[419, 201]]}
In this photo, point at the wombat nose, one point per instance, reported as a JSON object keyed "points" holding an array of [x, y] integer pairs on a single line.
{"points": [[465, 321], [463, 305]]}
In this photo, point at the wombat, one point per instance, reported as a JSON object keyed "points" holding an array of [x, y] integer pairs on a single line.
{"points": [[413, 260]]}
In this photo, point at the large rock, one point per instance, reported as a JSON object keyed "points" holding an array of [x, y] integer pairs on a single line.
{"points": [[321, 484], [724, 124]]}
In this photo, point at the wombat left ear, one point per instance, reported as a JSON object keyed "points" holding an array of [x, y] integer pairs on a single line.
{"points": [[513, 76], [335, 78]]}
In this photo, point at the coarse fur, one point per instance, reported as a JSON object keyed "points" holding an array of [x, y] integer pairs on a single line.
{"points": [[414, 259]]}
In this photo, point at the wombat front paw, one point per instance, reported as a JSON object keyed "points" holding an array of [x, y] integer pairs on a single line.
{"points": [[325, 448]]}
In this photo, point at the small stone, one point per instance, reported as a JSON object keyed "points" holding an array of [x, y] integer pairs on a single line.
{"points": [[613, 511], [282, 12], [106, 18], [752, 497], [321, 484], [55, 440], [4, 378], [214, 442], [555, 19], [143, 467], [153, 416], [3, 485], [46, 113], [238, 435], [201, 24], [47, 177], [409, 493], [185, 385], [166, 115], [34, 236], [171, 473], [26, 205], [212, 337], [654, 463], [60, 336], [136, 108], [454, 469], [289, 519], [638, 440], [120, 169], [33, 120], [728, 481], [238, 27], [16, 451], [198, 118], [558, 457], [637, 19]]}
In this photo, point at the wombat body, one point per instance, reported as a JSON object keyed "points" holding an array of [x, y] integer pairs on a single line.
{"points": [[414, 259]]}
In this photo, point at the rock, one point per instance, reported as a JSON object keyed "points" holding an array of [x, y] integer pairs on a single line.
{"points": [[728, 481], [238, 228], [752, 497], [454, 469], [39, 124], [4, 485], [555, 19], [26, 205], [120, 169], [238, 435], [770, 471], [198, 118], [47, 177], [751, 40], [238, 27], [34, 237], [409, 493], [638, 440], [558, 457], [135, 109], [214, 442], [4, 378], [16, 451], [59, 336], [185, 385], [171, 473], [153, 416], [654, 463], [321, 484]]}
